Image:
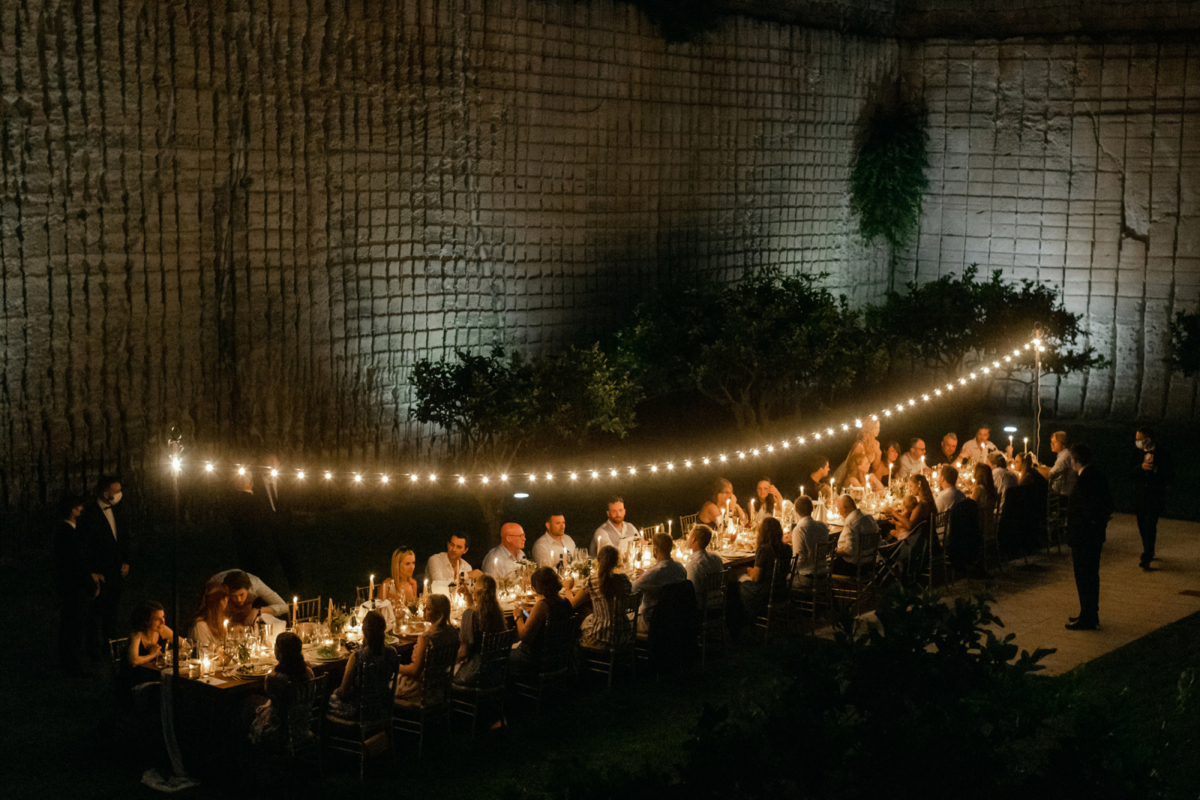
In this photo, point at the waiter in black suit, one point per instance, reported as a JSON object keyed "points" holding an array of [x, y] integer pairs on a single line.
{"points": [[106, 534], [1088, 511], [276, 512]]}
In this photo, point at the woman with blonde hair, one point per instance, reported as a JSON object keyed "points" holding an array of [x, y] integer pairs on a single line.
{"points": [[401, 587]]}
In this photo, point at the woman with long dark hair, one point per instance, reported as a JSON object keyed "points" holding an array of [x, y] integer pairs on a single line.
{"points": [[345, 700], [604, 588], [550, 608], [772, 559]]}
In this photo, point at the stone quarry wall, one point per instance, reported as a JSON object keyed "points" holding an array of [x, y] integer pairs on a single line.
{"points": [[1073, 161], [249, 219]]}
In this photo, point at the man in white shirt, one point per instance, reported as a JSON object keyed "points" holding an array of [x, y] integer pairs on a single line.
{"points": [[948, 494], [1002, 476], [248, 596], [701, 563], [554, 546], [911, 462], [1062, 475], [450, 565], [502, 559], [615, 530], [859, 541], [810, 541], [978, 448], [663, 572]]}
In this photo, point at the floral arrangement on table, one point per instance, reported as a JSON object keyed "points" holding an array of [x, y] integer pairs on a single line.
{"points": [[338, 619]]}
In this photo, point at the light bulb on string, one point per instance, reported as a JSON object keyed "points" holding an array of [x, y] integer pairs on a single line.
{"points": [[770, 448], [654, 468], [612, 473], [532, 478], [383, 479], [357, 478], [687, 464], [503, 477], [741, 454], [208, 467], [549, 476], [632, 471], [595, 474], [755, 452], [785, 443], [328, 476], [461, 480], [274, 472], [485, 479], [432, 478], [241, 470], [670, 466], [300, 474], [573, 476], [722, 457], [706, 461], [414, 477]]}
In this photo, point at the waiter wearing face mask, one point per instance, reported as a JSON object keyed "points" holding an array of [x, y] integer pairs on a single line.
{"points": [[1153, 471], [105, 532]]}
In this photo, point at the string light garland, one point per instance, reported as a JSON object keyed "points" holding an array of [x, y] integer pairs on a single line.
{"points": [[1034, 347]]}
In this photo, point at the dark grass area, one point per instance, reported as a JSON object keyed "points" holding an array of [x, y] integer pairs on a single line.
{"points": [[1145, 679]]}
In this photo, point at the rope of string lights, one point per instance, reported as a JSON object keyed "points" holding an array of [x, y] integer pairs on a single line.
{"points": [[1035, 347]]}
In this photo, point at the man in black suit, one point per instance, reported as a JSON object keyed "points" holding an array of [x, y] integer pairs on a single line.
{"points": [[106, 535], [1088, 512]]}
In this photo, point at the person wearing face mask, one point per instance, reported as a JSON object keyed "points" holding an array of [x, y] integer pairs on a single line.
{"points": [[1153, 471], [106, 535]]}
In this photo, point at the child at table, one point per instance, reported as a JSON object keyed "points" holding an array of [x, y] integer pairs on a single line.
{"points": [[290, 670], [410, 688]]}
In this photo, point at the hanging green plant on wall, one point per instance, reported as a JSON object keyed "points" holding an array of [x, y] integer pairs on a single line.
{"points": [[888, 183]]}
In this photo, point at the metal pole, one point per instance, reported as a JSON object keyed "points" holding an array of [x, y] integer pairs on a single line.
{"points": [[1037, 392]]}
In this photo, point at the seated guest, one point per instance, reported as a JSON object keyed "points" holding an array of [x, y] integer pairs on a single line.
{"points": [[859, 540], [948, 494], [554, 548], [858, 474], [913, 461], [345, 701], [701, 563], [886, 467], [248, 597], [615, 531], [1024, 519], [410, 687], [767, 502], [208, 628], [922, 510], [979, 448], [663, 572], [819, 478], [949, 448], [984, 492], [501, 560], [551, 607], [604, 588], [482, 617], [450, 565], [401, 587], [771, 562], [290, 671], [985, 496], [1002, 477], [810, 541], [149, 636], [721, 507]]}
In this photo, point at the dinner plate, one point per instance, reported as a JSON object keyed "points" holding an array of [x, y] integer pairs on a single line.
{"points": [[253, 670]]}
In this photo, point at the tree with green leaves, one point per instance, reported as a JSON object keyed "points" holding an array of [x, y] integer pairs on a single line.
{"points": [[1183, 354], [762, 347], [496, 407], [956, 322]]}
